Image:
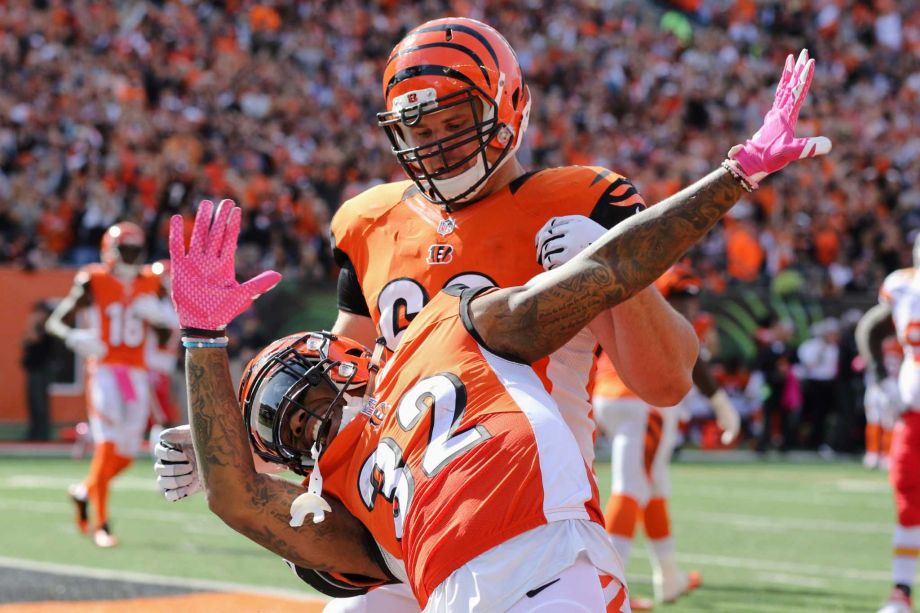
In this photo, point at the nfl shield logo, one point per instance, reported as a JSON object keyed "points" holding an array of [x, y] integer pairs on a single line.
{"points": [[446, 226]]}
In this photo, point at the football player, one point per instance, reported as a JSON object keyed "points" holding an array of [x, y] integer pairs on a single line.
{"points": [[898, 312], [456, 463], [121, 301]]}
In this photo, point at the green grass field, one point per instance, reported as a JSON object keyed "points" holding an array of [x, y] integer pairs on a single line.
{"points": [[767, 537]]}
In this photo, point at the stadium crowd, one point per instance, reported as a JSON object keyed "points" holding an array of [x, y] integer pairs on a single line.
{"points": [[140, 112]]}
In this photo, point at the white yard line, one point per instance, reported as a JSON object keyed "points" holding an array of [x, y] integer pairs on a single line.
{"points": [[865, 497], [44, 482], [195, 523], [781, 524]]}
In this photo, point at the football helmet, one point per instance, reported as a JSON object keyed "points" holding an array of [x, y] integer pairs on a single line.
{"points": [[275, 386], [122, 247], [462, 64]]}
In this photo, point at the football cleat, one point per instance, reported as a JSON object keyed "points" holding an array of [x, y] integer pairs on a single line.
{"points": [[77, 493], [671, 586], [638, 603], [898, 602], [103, 537]]}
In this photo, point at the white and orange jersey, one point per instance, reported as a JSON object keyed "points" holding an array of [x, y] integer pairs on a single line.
{"points": [[463, 451], [120, 328], [404, 250], [901, 291]]}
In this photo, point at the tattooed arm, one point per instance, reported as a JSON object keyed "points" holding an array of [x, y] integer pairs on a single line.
{"points": [[534, 320], [255, 505]]}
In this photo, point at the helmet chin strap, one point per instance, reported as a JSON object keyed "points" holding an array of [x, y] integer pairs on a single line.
{"points": [[454, 186]]}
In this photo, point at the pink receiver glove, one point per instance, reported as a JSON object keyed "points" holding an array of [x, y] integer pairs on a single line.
{"points": [[204, 287], [774, 145]]}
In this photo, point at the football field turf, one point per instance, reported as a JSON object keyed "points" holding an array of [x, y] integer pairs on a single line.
{"points": [[766, 536]]}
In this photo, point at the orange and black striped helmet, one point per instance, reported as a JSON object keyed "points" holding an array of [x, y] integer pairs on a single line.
{"points": [[275, 384], [445, 64]]}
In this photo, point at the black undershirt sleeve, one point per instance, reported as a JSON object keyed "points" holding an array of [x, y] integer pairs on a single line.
{"points": [[349, 297]]}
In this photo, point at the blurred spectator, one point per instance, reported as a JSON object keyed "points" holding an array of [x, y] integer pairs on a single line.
{"points": [[819, 358], [777, 385], [37, 352]]}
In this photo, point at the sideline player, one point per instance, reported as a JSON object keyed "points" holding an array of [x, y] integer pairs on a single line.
{"points": [[898, 312], [413, 481], [121, 301]]}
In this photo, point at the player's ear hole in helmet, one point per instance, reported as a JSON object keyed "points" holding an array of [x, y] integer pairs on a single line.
{"points": [[298, 392], [453, 69]]}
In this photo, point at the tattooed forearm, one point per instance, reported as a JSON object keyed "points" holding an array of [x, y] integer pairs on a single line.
{"points": [[258, 506], [535, 320], [217, 428]]}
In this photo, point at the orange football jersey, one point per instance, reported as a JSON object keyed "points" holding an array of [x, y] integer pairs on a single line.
{"points": [[404, 250], [122, 331], [462, 451]]}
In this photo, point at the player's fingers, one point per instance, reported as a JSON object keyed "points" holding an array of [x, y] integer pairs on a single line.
{"points": [[176, 238], [168, 453], [176, 494], [549, 246], [786, 76], [231, 234], [257, 286], [179, 436], [800, 90], [173, 469], [814, 146], [201, 228], [171, 483], [219, 227]]}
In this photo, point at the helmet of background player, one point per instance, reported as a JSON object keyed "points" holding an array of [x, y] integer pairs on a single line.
{"points": [[465, 74], [299, 391], [122, 248]]}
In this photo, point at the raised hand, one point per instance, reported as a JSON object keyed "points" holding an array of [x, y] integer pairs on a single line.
{"points": [[204, 287], [774, 145]]}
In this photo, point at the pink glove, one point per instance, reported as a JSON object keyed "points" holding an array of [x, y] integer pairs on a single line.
{"points": [[774, 145], [204, 287]]}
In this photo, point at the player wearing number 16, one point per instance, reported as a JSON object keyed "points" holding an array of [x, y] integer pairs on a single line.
{"points": [[120, 303]]}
